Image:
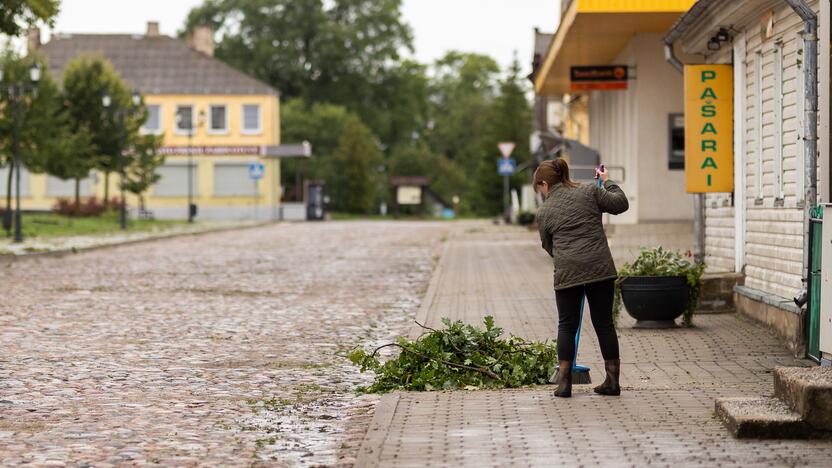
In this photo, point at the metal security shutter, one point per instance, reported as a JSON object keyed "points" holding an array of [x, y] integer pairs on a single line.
{"points": [[231, 179], [174, 181], [56, 187], [24, 181]]}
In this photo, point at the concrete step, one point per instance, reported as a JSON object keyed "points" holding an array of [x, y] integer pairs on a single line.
{"points": [[761, 418], [808, 392]]}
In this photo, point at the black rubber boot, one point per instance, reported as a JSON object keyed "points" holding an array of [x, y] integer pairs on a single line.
{"points": [[610, 385], [565, 381]]}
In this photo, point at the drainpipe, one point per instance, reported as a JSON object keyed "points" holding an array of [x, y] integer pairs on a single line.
{"points": [[810, 140], [699, 198]]}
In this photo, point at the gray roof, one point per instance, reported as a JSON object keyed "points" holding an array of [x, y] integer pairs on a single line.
{"points": [[153, 65]]}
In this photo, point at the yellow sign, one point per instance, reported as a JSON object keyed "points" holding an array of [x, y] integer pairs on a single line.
{"points": [[709, 128]]}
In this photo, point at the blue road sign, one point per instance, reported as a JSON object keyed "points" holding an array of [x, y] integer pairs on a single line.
{"points": [[256, 170], [506, 166]]}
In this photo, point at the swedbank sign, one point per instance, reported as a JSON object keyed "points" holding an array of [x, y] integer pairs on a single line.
{"points": [[709, 128]]}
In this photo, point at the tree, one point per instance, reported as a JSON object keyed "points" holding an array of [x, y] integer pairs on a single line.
{"points": [[74, 158], [42, 125], [16, 15], [141, 174], [354, 180], [322, 124], [343, 52], [86, 80], [462, 93], [510, 120]]}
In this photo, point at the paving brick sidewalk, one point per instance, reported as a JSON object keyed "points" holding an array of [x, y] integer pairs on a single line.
{"points": [[670, 378]]}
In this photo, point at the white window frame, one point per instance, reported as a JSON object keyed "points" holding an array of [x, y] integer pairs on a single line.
{"points": [[758, 122], [800, 172], [250, 131], [178, 130], [211, 129], [778, 120], [154, 131]]}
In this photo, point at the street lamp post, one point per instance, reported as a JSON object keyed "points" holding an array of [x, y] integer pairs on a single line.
{"points": [[200, 121], [121, 113], [16, 92]]}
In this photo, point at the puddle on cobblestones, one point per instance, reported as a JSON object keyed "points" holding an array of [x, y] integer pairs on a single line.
{"points": [[304, 425]]}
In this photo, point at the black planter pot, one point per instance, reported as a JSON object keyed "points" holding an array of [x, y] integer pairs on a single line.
{"points": [[655, 301]]}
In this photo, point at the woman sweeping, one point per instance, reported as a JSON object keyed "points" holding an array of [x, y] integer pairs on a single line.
{"points": [[573, 234]]}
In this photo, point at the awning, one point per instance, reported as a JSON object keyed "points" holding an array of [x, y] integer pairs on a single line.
{"points": [[593, 32]]}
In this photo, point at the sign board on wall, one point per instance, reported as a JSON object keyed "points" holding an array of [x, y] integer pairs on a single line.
{"points": [[409, 195], [598, 77], [709, 128]]}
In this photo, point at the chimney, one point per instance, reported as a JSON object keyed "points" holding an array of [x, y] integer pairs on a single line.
{"points": [[201, 38], [152, 29], [32, 40]]}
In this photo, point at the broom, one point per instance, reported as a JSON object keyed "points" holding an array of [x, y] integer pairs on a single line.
{"points": [[580, 374]]}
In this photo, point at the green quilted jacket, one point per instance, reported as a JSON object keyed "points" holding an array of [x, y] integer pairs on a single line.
{"points": [[572, 232]]}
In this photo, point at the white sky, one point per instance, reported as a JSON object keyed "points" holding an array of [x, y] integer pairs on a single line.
{"points": [[493, 27]]}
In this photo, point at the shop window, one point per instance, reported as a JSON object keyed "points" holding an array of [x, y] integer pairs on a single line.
{"points": [[676, 137]]}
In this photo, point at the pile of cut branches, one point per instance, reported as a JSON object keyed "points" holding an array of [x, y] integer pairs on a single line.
{"points": [[459, 356]]}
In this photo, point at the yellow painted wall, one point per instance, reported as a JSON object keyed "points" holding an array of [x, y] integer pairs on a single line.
{"points": [[268, 187]]}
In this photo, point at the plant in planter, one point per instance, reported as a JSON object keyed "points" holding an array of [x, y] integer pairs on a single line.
{"points": [[658, 287]]}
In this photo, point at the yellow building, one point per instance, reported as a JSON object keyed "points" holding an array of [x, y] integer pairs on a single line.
{"points": [[209, 113], [632, 124]]}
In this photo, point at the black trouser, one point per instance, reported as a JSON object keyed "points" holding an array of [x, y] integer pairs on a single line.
{"points": [[600, 296]]}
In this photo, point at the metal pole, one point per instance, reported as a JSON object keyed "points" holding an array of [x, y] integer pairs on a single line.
{"points": [[190, 173], [122, 216], [18, 231], [505, 199]]}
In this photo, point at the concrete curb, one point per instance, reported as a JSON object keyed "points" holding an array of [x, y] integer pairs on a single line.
{"points": [[11, 258]]}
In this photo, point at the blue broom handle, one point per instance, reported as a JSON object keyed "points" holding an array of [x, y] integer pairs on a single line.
{"points": [[578, 333]]}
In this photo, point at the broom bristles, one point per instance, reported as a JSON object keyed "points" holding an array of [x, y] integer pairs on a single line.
{"points": [[578, 378]]}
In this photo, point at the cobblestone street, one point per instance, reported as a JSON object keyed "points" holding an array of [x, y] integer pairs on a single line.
{"points": [[217, 349]]}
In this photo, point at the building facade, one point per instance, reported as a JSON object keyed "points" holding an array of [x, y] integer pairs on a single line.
{"points": [[631, 128], [758, 229], [210, 115]]}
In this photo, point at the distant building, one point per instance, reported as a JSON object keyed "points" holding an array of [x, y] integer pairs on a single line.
{"points": [[629, 122], [234, 117]]}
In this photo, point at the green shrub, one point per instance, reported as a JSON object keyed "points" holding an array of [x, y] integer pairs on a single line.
{"points": [[661, 262]]}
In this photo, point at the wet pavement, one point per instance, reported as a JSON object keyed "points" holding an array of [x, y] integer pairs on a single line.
{"points": [[220, 349], [670, 378]]}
